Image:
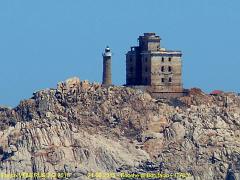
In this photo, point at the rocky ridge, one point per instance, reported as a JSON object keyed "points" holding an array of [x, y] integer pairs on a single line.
{"points": [[82, 127]]}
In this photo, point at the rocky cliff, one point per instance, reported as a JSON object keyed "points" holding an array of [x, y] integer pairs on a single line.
{"points": [[81, 128]]}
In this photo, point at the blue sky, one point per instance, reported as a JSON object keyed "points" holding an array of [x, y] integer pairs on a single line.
{"points": [[44, 42]]}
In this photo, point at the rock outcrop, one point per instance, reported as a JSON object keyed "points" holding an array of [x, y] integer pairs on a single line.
{"points": [[80, 128]]}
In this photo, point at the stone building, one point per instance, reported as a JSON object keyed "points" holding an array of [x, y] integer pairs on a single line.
{"points": [[153, 68]]}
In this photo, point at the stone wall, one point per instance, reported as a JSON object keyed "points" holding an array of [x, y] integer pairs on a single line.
{"points": [[146, 69], [150, 65], [157, 62], [130, 68], [107, 70]]}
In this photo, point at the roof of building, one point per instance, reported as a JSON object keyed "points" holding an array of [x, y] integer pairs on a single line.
{"points": [[149, 34], [216, 92], [164, 53]]}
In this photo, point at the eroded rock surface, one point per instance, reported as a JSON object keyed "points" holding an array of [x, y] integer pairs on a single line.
{"points": [[81, 127]]}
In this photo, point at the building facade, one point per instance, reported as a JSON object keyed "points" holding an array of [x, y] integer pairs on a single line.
{"points": [[154, 68]]}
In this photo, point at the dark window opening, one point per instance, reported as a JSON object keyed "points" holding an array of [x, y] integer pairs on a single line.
{"points": [[163, 80], [170, 79], [130, 60], [131, 69], [162, 68], [169, 59], [169, 69], [146, 70], [162, 59]]}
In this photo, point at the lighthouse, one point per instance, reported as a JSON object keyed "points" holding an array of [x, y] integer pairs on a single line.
{"points": [[107, 67]]}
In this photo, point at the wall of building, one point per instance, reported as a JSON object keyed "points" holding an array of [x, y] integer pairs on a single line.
{"points": [[149, 43], [153, 46], [157, 93], [157, 63], [131, 68], [144, 65], [146, 69]]}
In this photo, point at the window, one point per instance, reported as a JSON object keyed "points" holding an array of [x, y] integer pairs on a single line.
{"points": [[131, 69], [162, 59], [130, 59], [169, 69], [146, 70], [163, 80], [162, 68], [170, 80], [169, 59]]}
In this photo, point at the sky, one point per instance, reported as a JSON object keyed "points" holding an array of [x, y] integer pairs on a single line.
{"points": [[48, 41]]}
